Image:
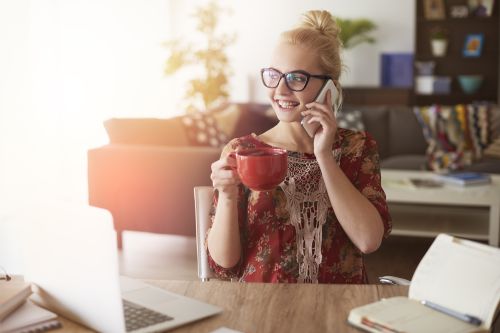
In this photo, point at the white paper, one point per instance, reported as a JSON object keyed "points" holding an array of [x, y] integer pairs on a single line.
{"points": [[27, 314]]}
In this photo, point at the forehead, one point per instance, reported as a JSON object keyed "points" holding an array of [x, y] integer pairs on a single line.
{"points": [[288, 57]]}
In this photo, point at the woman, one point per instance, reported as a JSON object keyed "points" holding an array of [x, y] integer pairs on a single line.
{"points": [[330, 210]]}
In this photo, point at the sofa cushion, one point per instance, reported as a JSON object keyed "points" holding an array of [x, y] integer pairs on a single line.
{"points": [[227, 119], [405, 135], [146, 131], [212, 128], [456, 135], [375, 120], [202, 130], [488, 165], [254, 118], [352, 120], [405, 162]]}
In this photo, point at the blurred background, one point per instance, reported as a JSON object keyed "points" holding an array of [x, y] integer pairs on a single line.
{"points": [[66, 66]]}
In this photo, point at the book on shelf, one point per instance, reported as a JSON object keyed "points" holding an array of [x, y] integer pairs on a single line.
{"points": [[465, 178], [12, 295], [455, 288]]}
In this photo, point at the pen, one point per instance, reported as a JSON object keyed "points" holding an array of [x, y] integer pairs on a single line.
{"points": [[377, 326], [462, 316]]}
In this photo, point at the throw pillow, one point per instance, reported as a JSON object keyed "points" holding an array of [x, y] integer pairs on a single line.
{"points": [[456, 135], [202, 130], [227, 119], [493, 150], [254, 118], [352, 120]]}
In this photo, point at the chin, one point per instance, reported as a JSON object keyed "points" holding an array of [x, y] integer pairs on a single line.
{"points": [[288, 115]]}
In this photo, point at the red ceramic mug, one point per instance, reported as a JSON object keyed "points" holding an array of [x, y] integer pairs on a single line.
{"points": [[263, 168]]}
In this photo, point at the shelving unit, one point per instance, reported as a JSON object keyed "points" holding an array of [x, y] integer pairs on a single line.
{"points": [[454, 63], [430, 220]]}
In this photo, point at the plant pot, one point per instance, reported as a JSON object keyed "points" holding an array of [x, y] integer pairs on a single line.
{"points": [[439, 47], [424, 84]]}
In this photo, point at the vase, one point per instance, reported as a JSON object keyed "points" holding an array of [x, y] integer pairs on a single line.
{"points": [[439, 47]]}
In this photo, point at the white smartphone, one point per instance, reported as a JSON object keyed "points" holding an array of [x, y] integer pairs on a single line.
{"points": [[320, 98]]}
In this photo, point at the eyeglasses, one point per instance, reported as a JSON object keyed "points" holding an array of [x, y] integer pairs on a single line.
{"points": [[295, 81]]}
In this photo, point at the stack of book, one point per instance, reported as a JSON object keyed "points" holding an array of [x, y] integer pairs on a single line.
{"points": [[12, 295], [18, 314], [465, 178]]}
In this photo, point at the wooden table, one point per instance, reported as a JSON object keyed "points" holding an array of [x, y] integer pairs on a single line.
{"points": [[261, 307]]}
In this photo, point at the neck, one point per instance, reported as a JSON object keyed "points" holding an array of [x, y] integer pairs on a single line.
{"points": [[290, 136]]}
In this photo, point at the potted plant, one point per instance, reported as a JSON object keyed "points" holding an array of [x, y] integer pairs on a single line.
{"points": [[210, 89], [439, 42], [355, 31]]}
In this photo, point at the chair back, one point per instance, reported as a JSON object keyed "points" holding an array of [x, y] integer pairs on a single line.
{"points": [[203, 196]]}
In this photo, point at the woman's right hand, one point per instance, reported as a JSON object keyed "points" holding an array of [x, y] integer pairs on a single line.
{"points": [[225, 177]]}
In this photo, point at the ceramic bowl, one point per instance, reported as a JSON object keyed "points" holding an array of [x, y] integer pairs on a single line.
{"points": [[470, 83]]}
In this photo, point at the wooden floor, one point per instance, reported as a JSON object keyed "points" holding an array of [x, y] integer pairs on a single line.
{"points": [[397, 256], [158, 256], [155, 256]]}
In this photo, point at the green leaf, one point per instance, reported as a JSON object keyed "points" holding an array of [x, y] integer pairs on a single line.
{"points": [[211, 87], [356, 31]]}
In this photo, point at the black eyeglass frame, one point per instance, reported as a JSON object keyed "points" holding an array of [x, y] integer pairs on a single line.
{"points": [[283, 75]]}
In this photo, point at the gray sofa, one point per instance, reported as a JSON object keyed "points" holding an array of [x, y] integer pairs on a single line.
{"points": [[401, 142], [146, 179]]}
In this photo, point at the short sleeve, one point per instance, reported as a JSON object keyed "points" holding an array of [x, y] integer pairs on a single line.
{"points": [[369, 181]]}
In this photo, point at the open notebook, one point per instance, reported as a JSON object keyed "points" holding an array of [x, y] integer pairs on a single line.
{"points": [[458, 275]]}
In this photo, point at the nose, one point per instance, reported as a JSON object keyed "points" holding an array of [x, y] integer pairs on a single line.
{"points": [[282, 88]]}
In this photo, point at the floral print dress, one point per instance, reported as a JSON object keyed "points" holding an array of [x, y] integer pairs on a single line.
{"points": [[291, 234]]}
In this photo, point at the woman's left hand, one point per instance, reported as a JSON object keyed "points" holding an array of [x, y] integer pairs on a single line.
{"points": [[324, 115]]}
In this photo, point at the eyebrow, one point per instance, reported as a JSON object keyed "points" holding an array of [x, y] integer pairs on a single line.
{"points": [[295, 70]]}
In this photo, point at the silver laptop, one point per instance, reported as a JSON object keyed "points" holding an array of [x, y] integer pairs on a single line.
{"points": [[70, 253]]}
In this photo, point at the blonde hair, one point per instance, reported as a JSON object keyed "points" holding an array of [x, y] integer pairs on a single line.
{"points": [[319, 31]]}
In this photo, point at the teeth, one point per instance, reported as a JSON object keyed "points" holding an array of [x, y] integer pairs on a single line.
{"points": [[287, 104]]}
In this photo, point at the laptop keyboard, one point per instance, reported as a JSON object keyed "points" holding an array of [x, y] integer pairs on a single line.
{"points": [[137, 316]]}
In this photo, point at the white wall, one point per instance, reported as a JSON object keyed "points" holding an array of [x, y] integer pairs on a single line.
{"points": [[258, 23], [65, 67]]}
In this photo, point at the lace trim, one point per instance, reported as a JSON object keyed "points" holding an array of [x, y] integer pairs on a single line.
{"points": [[308, 203]]}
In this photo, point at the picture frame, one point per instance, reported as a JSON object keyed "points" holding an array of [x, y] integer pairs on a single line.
{"points": [[473, 45], [481, 8], [434, 9], [459, 11]]}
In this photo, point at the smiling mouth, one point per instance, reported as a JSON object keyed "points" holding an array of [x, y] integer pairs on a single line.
{"points": [[286, 104]]}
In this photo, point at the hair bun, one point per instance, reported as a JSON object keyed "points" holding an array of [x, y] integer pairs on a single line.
{"points": [[322, 21]]}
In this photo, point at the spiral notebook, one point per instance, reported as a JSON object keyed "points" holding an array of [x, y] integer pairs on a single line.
{"points": [[29, 318]]}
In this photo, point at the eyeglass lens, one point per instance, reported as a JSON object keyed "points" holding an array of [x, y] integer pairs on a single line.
{"points": [[294, 80]]}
